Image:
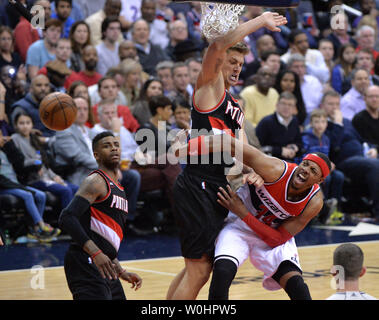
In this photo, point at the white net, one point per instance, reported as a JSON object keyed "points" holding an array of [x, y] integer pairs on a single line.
{"points": [[218, 19]]}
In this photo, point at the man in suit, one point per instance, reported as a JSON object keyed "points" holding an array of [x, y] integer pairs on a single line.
{"points": [[73, 145]]}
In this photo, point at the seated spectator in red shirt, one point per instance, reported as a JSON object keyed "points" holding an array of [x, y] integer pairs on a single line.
{"points": [[89, 75], [108, 89]]}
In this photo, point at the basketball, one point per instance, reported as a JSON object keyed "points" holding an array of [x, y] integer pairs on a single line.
{"points": [[57, 111]]}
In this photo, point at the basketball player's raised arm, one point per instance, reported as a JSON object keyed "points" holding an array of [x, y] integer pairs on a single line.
{"points": [[92, 188], [216, 52], [272, 237]]}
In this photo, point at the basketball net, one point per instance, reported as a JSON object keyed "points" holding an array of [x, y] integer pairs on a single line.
{"points": [[218, 19]]}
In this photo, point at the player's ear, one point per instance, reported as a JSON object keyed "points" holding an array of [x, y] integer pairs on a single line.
{"points": [[363, 271], [322, 179]]}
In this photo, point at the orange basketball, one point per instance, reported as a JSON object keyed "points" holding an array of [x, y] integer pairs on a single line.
{"points": [[57, 111]]}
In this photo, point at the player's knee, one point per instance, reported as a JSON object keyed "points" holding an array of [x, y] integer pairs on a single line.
{"points": [[224, 271]]}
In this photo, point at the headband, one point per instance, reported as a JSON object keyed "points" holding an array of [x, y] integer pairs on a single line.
{"points": [[321, 163]]}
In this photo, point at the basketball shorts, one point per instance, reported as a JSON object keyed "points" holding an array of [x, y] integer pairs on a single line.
{"points": [[85, 281], [198, 215], [237, 242]]}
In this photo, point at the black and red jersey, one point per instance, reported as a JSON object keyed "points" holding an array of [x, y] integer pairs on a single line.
{"points": [[105, 219], [226, 117]]}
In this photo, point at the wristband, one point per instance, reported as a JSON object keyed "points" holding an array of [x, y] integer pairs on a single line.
{"points": [[95, 254]]}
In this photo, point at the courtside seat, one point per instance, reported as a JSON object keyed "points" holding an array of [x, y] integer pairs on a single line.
{"points": [[14, 218]]}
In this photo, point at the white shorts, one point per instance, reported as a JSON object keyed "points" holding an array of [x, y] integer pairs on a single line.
{"points": [[237, 242]]}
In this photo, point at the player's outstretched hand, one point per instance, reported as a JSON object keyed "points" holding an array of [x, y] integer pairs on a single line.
{"points": [[231, 201], [132, 278], [273, 20]]}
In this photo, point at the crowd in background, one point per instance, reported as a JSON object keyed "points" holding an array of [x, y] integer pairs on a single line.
{"points": [[131, 65]]}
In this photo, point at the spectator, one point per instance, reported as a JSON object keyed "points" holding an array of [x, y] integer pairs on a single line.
{"points": [[89, 75], [7, 55], [314, 60], [60, 65], [39, 89], [140, 109], [72, 146], [342, 70], [181, 81], [279, 42], [79, 89], [279, 133], [311, 87], [62, 12], [161, 174], [264, 43], [89, 7], [58, 73], [131, 179], [132, 71], [43, 51], [158, 27], [25, 34], [149, 54], [13, 87], [368, 8], [193, 18], [112, 8], [289, 81], [352, 101], [182, 114], [131, 11], [33, 149], [366, 122], [347, 269], [315, 140], [164, 73], [114, 87], [365, 60], [346, 151], [127, 50], [108, 89], [260, 99], [194, 68], [11, 161], [80, 37], [178, 32], [325, 46], [340, 36], [365, 36], [107, 50]]}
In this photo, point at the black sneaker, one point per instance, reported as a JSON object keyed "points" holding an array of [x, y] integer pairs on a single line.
{"points": [[40, 235]]}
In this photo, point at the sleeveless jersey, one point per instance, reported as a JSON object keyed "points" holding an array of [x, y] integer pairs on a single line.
{"points": [[106, 218], [269, 203], [226, 117]]}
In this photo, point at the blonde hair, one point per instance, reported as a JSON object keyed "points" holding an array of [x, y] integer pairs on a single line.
{"points": [[318, 113], [127, 66]]}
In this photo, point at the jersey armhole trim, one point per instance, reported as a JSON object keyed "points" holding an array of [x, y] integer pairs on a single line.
{"points": [[108, 186], [208, 110]]}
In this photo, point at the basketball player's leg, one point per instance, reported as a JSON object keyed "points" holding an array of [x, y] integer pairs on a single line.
{"points": [[174, 284], [196, 275], [231, 251], [290, 279]]}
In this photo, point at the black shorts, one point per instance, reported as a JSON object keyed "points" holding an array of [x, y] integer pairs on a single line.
{"points": [[85, 281], [198, 215]]}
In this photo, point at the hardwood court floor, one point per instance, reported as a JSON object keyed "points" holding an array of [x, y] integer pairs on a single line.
{"points": [[157, 275]]}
